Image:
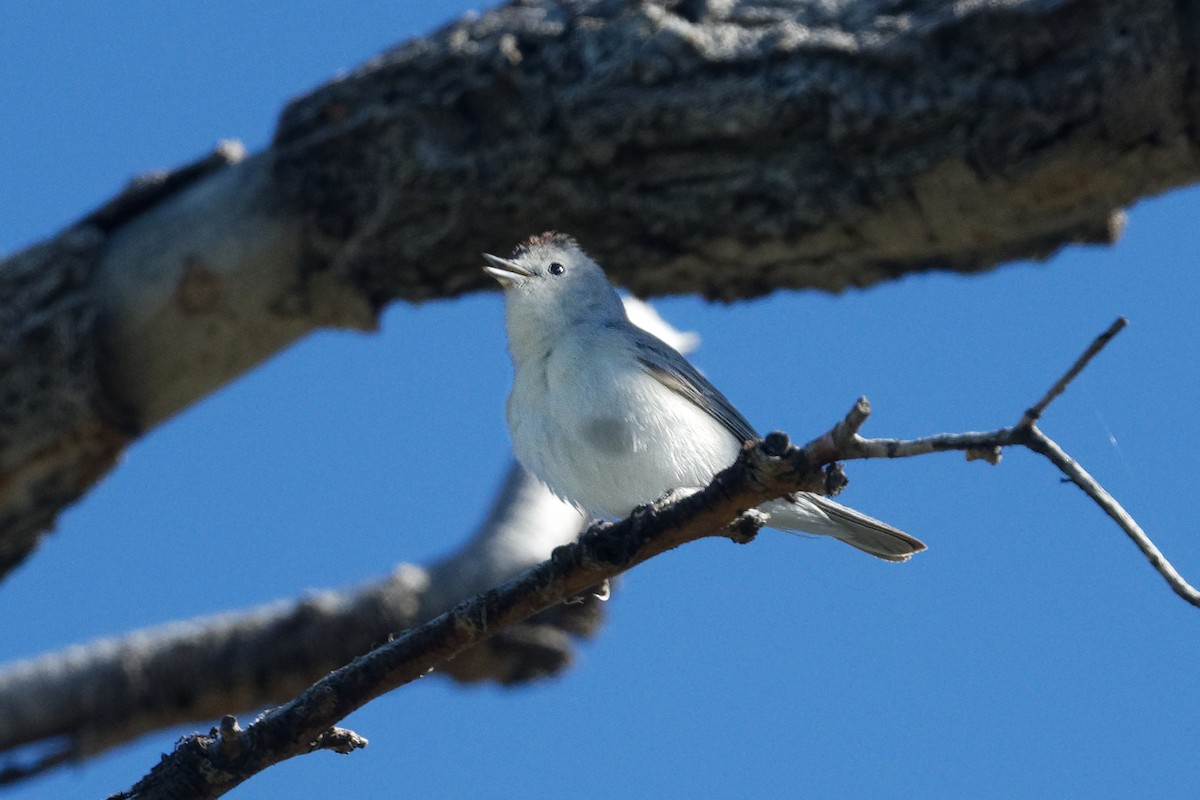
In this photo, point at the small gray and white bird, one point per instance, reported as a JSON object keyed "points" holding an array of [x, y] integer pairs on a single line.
{"points": [[610, 417]]}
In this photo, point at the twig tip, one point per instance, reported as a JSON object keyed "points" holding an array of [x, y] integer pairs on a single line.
{"points": [[1034, 413]]}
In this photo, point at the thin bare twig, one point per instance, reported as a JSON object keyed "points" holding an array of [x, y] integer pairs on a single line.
{"points": [[1035, 411], [972, 442], [1043, 444]]}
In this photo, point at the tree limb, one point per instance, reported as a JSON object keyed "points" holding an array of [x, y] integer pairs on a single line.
{"points": [[727, 147], [765, 470]]}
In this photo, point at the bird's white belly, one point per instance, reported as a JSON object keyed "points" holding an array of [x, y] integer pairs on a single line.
{"points": [[610, 440]]}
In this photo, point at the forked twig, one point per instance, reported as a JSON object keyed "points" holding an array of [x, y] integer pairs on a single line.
{"points": [[1026, 433]]}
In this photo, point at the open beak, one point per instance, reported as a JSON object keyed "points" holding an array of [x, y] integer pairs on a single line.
{"points": [[509, 273]]}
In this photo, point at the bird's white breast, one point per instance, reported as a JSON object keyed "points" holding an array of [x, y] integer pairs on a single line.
{"points": [[602, 433]]}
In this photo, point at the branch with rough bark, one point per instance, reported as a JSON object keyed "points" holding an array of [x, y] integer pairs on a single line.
{"points": [[207, 766], [727, 147]]}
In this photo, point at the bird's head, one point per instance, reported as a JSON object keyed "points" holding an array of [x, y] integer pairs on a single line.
{"points": [[550, 284]]}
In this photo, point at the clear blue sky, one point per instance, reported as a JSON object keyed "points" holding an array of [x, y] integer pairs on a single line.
{"points": [[1030, 652]]}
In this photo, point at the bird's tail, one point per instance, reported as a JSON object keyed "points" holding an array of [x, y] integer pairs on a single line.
{"points": [[812, 513]]}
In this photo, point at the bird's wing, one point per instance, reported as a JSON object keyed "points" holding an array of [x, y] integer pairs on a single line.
{"points": [[672, 370]]}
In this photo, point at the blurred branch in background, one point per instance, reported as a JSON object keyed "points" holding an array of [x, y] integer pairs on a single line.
{"points": [[89, 698]]}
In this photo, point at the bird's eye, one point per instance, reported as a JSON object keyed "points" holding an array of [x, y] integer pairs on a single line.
{"points": [[557, 268]]}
